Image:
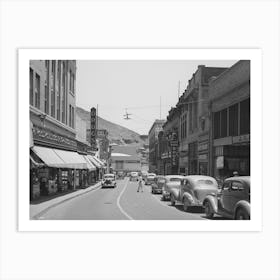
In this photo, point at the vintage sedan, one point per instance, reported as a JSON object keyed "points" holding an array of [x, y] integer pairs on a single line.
{"points": [[150, 178], [156, 186], [134, 176], [193, 190], [171, 181], [109, 180], [233, 200]]}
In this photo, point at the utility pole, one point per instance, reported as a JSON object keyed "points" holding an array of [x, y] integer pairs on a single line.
{"points": [[160, 107]]}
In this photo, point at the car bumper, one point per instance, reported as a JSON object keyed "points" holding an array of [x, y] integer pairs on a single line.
{"points": [[157, 191]]}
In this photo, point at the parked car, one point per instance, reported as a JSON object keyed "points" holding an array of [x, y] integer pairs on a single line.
{"points": [[156, 186], [232, 201], [193, 190], [109, 180], [150, 178], [171, 181], [134, 176], [120, 175]]}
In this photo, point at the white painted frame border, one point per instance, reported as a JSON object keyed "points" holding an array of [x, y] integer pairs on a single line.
{"points": [[254, 55]]}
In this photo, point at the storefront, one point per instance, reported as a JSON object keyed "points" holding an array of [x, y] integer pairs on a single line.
{"points": [[230, 158], [59, 170], [193, 159], [203, 157]]}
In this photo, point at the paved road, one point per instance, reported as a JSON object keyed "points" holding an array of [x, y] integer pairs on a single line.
{"points": [[122, 202]]}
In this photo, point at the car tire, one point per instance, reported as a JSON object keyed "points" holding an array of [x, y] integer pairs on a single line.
{"points": [[163, 198], [242, 215], [185, 205], [172, 200], [208, 212]]}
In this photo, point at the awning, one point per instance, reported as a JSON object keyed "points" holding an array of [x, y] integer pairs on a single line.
{"points": [[90, 165], [100, 162], [59, 158], [94, 161], [72, 159]]}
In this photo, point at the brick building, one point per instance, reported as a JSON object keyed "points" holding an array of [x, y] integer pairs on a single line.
{"points": [[230, 119], [154, 154], [194, 122]]}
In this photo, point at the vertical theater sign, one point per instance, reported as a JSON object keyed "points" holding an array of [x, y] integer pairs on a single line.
{"points": [[93, 128]]}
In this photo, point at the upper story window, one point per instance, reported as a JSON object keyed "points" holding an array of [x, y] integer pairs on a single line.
{"points": [[232, 121], [37, 91], [31, 86]]}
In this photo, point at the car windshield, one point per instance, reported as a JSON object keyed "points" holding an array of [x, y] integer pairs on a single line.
{"points": [[161, 181], [109, 176], [151, 177]]}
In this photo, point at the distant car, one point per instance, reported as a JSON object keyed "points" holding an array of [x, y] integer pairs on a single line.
{"points": [[156, 186], [233, 200], [120, 175], [134, 176], [193, 191], [109, 180], [171, 181], [150, 178]]}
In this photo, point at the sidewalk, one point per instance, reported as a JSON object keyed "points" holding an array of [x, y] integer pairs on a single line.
{"points": [[36, 210]]}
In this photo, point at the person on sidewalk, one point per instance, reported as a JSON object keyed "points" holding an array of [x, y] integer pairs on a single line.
{"points": [[140, 185]]}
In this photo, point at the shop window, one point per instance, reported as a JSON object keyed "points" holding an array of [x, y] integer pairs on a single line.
{"points": [[233, 120], [224, 123], [217, 121], [245, 116]]}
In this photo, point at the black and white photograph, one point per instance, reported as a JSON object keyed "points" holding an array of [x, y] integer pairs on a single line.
{"points": [[139, 140]]}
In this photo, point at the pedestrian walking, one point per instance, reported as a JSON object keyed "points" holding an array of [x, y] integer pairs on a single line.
{"points": [[140, 185]]}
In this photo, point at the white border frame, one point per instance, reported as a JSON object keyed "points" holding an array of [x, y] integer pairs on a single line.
{"points": [[254, 55]]}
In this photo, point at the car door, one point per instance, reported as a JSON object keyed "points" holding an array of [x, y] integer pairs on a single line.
{"points": [[223, 197], [236, 194], [182, 189]]}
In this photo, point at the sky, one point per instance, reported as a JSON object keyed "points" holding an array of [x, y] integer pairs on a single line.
{"points": [[138, 87]]}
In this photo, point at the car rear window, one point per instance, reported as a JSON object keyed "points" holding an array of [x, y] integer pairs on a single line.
{"points": [[175, 180], [205, 182]]}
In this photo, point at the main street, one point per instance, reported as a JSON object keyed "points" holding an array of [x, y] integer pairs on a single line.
{"points": [[122, 202]]}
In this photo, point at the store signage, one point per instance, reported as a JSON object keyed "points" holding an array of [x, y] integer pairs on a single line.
{"points": [[220, 162], [93, 127], [203, 157], [202, 146], [41, 134], [241, 138]]}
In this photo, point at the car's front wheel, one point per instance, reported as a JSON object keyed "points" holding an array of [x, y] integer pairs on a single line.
{"points": [[185, 205], [242, 215], [172, 200], [208, 212]]}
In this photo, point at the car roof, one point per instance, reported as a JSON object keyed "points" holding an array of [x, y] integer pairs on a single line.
{"points": [[152, 174], [195, 178], [246, 179], [174, 176], [111, 174]]}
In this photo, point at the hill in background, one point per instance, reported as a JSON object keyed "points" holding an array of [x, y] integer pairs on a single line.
{"points": [[117, 134]]}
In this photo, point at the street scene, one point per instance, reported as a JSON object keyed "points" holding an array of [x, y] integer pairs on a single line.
{"points": [[139, 140]]}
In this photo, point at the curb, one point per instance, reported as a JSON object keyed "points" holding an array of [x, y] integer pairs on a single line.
{"points": [[37, 216]]}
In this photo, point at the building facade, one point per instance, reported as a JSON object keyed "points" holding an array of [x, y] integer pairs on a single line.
{"points": [[194, 122], [56, 163], [230, 120], [169, 143], [154, 152]]}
